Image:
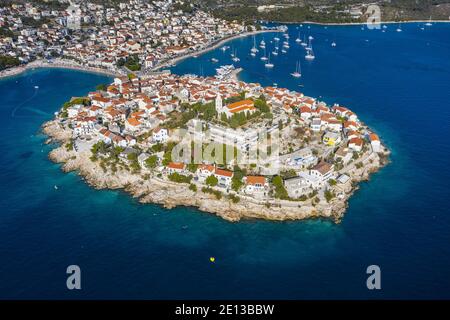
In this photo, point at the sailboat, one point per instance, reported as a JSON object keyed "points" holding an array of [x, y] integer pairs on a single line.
{"points": [[262, 44], [310, 53], [286, 45], [264, 58], [333, 44], [309, 47], [254, 49], [429, 24], [298, 40], [297, 72], [269, 64], [235, 58], [304, 43], [399, 29], [275, 52], [276, 39]]}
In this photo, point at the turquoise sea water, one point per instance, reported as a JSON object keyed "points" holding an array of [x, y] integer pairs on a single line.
{"points": [[398, 83]]}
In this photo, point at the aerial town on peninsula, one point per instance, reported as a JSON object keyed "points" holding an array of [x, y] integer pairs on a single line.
{"points": [[124, 135], [254, 151], [133, 36]]}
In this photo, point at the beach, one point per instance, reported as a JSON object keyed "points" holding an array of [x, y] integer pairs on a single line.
{"points": [[57, 63]]}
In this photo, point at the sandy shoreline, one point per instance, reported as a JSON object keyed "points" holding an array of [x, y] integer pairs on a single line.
{"points": [[61, 64]]}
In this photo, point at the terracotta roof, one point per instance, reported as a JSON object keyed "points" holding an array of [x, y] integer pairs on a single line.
{"points": [[323, 167], [176, 165], [133, 121], [255, 180], [207, 167], [305, 109], [357, 141], [225, 173], [240, 104]]}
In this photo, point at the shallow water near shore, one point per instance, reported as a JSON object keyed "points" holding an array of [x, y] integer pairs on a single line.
{"points": [[398, 83]]}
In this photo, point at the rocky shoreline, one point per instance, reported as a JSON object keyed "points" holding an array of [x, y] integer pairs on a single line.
{"points": [[170, 194]]}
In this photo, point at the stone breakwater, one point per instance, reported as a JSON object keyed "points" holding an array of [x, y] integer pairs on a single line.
{"points": [[170, 194]]}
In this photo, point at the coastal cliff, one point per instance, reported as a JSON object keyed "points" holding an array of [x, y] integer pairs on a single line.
{"points": [[170, 194]]}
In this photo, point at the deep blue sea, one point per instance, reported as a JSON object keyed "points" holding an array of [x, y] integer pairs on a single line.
{"points": [[398, 83]]}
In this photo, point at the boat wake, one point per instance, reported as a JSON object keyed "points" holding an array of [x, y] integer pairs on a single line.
{"points": [[17, 108]]}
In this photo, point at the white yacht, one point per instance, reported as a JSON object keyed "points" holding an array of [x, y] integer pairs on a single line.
{"points": [[304, 43], [268, 63], [254, 50], [297, 73], [264, 58], [235, 58], [262, 44], [310, 53], [309, 46]]}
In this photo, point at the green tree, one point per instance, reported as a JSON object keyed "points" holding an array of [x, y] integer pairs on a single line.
{"points": [[192, 167], [8, 62], [167, 158], [176, 177], [329, 195], [212, 181], [157, 147], [151, 162], [280, 191], [236, 180], [101, 87]]}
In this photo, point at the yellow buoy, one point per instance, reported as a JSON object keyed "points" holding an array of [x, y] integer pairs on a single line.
{"points": [[212, 259]]}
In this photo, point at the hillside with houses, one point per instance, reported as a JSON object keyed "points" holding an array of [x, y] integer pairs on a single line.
{"points": [[248, 150]]}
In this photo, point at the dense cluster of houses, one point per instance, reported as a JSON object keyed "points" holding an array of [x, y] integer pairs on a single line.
{"points": [[99, 36], [131, 108]]}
